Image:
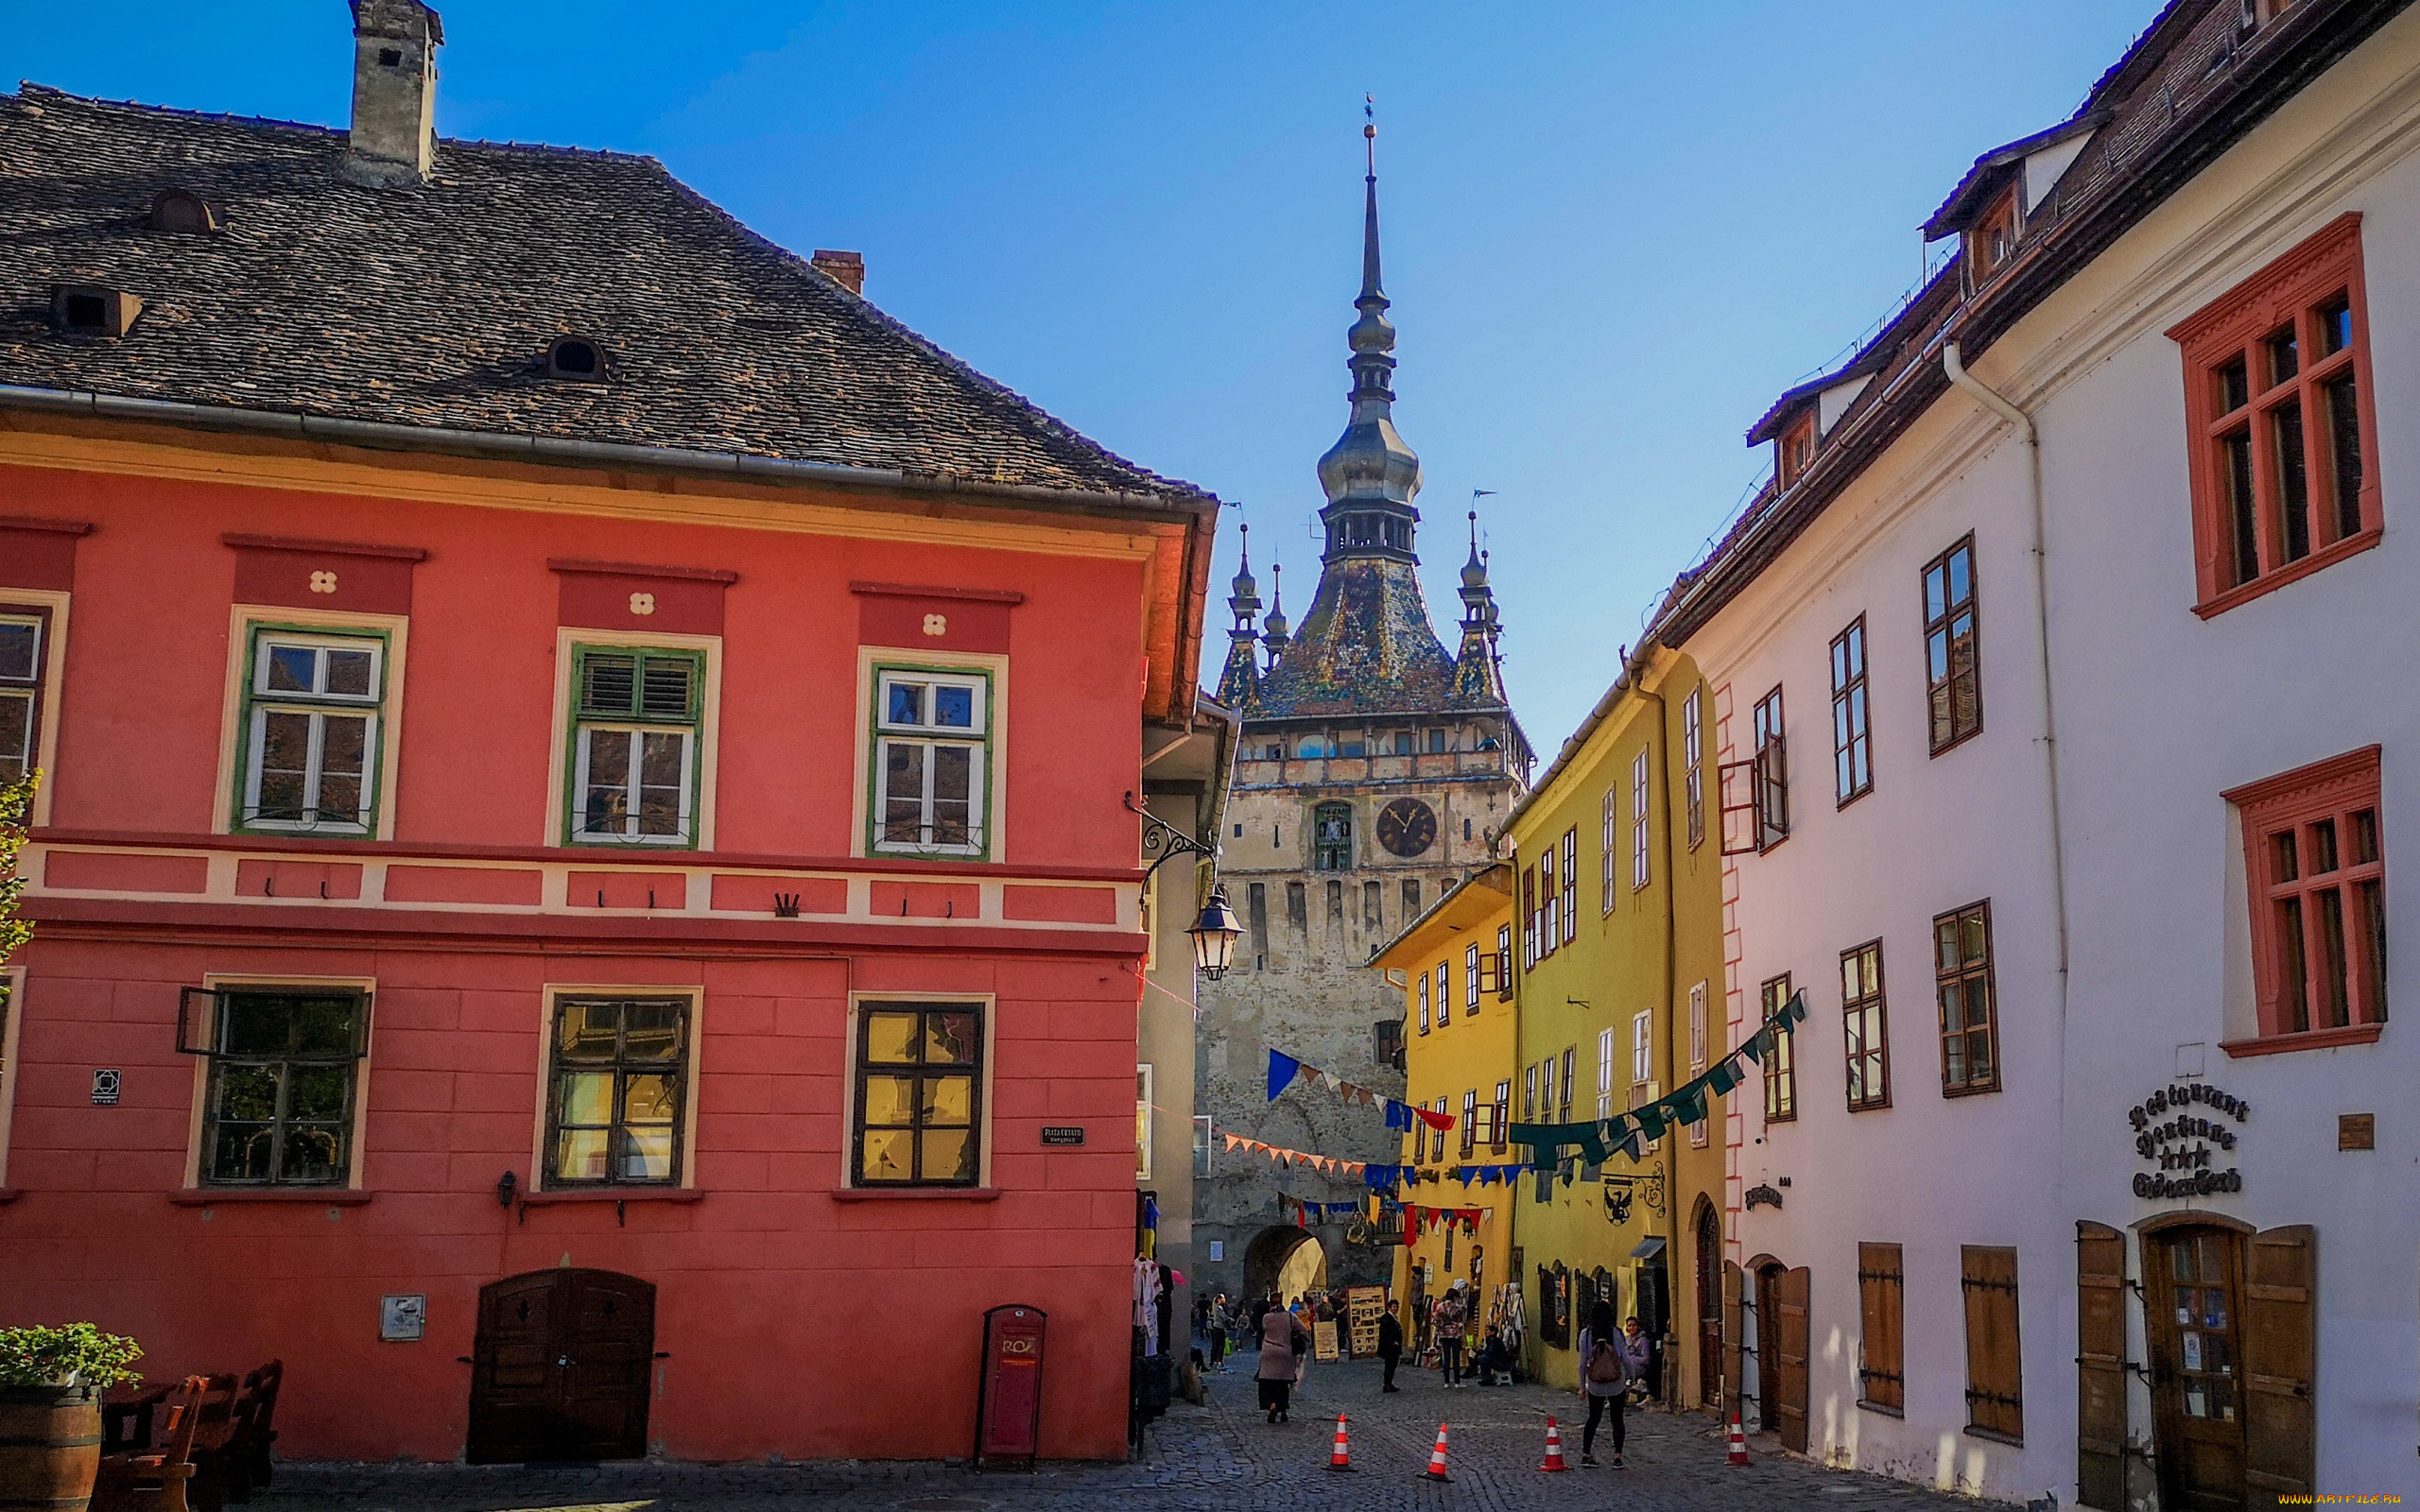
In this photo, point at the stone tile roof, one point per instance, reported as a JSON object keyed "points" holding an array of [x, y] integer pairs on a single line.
{"points": [[434, 304]]}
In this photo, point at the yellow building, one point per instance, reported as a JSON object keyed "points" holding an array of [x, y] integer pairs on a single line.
{"points": [[1617, 918], [1459, 1050]]}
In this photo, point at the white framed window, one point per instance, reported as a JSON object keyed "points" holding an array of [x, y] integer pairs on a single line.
{"points": [[1444, 984], [1470, 980], [1424, 1002], [1605, 1074], [1693, 763], [1143, 1121], [637, 715], [1638, 829], [1203, 1141], [1608, 846], [932, 740], [1570, 885], [1697, 1027], [1642, 1047], [24, 655], [314, 705]]}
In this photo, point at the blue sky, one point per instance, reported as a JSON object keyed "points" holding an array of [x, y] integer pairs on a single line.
{"points": [[1615, 229]]}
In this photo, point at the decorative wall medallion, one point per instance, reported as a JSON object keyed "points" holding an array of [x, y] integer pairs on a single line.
{"points": [[1407, 827], [642, 603], [936, 625], [323, 582]]}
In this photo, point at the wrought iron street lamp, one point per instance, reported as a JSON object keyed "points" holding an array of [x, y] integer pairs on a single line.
{"points": [[1216, 932], [1213, 935]]}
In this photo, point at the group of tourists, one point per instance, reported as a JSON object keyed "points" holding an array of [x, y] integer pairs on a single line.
{"points": [[1613, 1361]]}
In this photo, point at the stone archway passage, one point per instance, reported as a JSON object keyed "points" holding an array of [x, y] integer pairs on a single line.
{"points": [[1284, 1261]]}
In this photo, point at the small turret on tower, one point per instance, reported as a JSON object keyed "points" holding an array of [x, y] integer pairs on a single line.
{"points": [[1242, 679], [1475, 673], [1273, 630]]}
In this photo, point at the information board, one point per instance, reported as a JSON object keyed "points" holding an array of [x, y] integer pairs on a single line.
{"points": [[1324, 1341], [1363, 1307]]}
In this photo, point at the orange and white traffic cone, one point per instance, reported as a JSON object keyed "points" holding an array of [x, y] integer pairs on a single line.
{"points": [[1342, 1459], [1739, 1441], [1436, 1471], [1554, 1449]]}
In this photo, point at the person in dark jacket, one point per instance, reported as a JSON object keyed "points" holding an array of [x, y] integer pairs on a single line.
{"points": [[1390, 1346]]}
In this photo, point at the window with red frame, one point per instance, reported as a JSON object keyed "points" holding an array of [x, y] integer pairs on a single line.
{"points": [[1550, 901], [2277, 407], [2315, 862]]}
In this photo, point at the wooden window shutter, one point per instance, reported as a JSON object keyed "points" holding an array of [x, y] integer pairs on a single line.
{"points": [[1795, 1337], [1733, 1313], [1995, 1399], [1880, 1290], [2101, 1367], [2280, 1275]]}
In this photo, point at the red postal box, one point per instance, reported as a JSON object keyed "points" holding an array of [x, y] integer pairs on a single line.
{"points": [[1007, 1407]]}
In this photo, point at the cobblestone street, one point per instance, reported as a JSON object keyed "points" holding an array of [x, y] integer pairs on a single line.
{"points": [[1222, 1457]]}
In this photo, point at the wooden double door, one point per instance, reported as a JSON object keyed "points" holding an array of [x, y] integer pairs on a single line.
{"points": [[560, 1368], [2230, 1323]]}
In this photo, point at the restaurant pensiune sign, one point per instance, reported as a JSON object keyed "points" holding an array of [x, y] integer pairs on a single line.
{"points": [[2179, 1127]]}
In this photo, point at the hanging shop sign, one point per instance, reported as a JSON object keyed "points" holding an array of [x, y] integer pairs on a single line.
{"points": [[2183, 1129]]}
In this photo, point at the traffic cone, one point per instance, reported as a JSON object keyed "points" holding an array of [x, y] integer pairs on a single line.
{"points": [[1343, 1458], [1436, 1471], [1554, 1449], [1738, 1440]]}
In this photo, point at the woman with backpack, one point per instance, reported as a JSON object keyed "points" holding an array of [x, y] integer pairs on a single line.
{"points": [[1604, 1376]]}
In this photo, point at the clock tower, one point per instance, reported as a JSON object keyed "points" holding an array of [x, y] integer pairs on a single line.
{"points": [[1373, 771]]}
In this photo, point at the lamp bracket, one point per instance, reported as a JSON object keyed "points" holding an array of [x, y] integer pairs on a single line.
{"points": [[1164, 842]]}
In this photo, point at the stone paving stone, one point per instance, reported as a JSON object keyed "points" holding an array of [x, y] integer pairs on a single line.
{"points": [[1220, 1458]]}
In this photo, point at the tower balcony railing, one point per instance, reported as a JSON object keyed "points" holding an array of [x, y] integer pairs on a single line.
{"points": [[1257, 769]]}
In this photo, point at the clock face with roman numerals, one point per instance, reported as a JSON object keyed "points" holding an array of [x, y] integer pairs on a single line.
{"points": [[1407, 827]]}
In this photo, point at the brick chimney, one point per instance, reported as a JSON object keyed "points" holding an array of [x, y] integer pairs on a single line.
{"points": [[848, 269], [394, 92]]}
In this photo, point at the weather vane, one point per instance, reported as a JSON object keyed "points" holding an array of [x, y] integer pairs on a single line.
{"points": [[1370, 131]]}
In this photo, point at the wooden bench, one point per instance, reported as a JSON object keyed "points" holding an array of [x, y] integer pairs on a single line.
{"points": [[155, 1480]]}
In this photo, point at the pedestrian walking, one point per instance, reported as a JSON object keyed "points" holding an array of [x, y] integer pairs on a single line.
{"points": [[1282, 1343], [1604, 1376], [1218, 1331], [1450, 1321], [1390, 1347]]}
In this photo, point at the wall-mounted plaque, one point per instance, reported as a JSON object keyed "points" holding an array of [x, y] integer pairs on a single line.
{"points": [[1052, 1134]]}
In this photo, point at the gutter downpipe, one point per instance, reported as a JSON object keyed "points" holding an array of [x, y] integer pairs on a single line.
{"points": [[1956, 372]]}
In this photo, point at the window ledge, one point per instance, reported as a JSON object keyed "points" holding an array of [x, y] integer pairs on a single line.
{"points": [[915, 1194], [548, 1199], [2327, 556], [2278, 1044], [312, 1196], [1995, 1435], [1864, 1405], [7, 1195]]}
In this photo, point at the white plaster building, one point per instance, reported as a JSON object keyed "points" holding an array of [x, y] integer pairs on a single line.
{"points": [[2164, 1254]]}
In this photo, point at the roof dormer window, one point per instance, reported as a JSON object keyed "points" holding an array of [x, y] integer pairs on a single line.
{"points": [[177, 210], [1796, 449], [85, 310], [1991, 242], [576, 359]]}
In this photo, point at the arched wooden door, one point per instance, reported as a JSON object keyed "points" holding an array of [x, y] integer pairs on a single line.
{"points": [[561, 1366], [1709, 1274]]}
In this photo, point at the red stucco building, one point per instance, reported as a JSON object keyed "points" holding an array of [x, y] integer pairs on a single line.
{"points": [[583, 835]]}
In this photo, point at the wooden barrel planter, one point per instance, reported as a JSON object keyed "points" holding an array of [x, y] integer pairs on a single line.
{"points": [[50, 1447]]}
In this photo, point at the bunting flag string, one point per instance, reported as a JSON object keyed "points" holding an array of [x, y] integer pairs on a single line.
{"points": [[1285, 1070], [1324, 1164], [1388, 1178], [1629, 1133]]}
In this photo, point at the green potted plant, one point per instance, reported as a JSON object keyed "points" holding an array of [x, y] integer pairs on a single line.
{"points": [[51, 1380]]}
